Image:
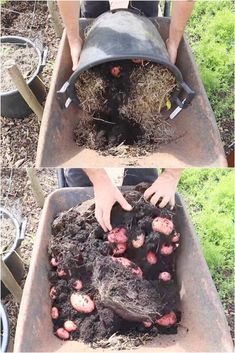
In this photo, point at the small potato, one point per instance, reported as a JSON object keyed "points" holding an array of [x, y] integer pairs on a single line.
{"points": [[52, 293], [116, 71], [164, 276], [138, 61], [62, 333], [151, 258], [162, 225], [166, 249], [167, 320], [139, 241], [118, 235], [77, 284], [175, 238], [120, 249], [61, 273], [70, 326], [54, 262], [147, 323], [54, 313], [127, 263], [82, 303]]}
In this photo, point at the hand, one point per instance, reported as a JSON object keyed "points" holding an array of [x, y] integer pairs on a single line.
{"points": [[106, 195], [164, 188], [172, 50], [75, 51]]}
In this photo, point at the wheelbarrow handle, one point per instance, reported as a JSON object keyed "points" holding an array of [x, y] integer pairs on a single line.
{"points": [[188, 94]]}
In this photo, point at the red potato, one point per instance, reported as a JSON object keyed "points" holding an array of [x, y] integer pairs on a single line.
{"points": [[52, 293], [139, 241], [61, 273], [166, 249], [138, 61], [70, 326], [120, 249], [175, 238], [151, 258], [147, 323], [54, 262], [164, 276], [127, 263], [82, 303], [62, 333], [118, 235], [77, 284], [116, 71], [167, 320], [54, 313], [162, 225]]}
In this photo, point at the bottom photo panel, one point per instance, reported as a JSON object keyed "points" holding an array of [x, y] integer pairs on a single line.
{"points": [[123, 259]]}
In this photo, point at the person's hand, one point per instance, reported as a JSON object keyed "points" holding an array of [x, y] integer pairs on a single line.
{"points": [[75, 51], [172, 49], [106, 195], [164, 188]]}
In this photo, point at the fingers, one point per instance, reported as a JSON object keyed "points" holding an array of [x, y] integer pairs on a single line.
{"points": [[123, 203], [148, 193], [99, 217], [164, 201], [106, 218], [172, 201], [156, 196]]}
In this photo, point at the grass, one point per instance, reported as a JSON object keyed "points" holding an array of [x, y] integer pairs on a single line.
{"points": [[210, 198]]}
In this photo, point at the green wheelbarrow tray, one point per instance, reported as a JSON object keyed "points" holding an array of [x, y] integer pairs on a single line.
{"points": [[203, 327], [197, 140]]}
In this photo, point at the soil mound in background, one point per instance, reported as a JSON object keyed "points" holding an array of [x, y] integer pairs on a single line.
{"points": [[125, 103], [122, 282]]}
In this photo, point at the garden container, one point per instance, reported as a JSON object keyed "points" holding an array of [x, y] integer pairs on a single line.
{"points": [[12, 257], [120, 35], [5, 329], [199, 142], [13, 104], [203, 327]]}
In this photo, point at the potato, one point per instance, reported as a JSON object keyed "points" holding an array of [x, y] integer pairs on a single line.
{"points": [[139, 241], [77, 284], [52, 293], [70, 326], [175, 238], [116, 71], [118, 235], [127, 263], [120, 249], [166, 249], [164, 276], [162, 225], [82, 303], [54, 313], [61, 273], [167, 320], [54, 262], [138, 61], [62, 333], [147, 323], [151, 258]]}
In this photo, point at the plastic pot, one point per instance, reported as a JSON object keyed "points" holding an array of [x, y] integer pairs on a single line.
{"points": [[5, 328], [12, 258], [12, 103], [120, 35]]}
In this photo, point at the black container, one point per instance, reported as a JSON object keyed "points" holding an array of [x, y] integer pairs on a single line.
{"points": [[12, 258], [13, 104], [5, 329], [120, 35]]}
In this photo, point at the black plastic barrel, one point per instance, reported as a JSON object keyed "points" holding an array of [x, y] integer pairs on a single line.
{"points": [[120, 35], [5, 329], [13, 104], [12, 258]]}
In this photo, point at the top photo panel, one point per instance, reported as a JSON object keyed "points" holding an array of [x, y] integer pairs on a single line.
{"points": [[117, 83]]}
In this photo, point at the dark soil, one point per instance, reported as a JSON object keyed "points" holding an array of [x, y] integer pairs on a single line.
{"points": [[123, 299], [25, 57], [129, 109]]}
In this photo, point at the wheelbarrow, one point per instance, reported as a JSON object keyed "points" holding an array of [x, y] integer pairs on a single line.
{"points": [[203, 327], [198, 141]]}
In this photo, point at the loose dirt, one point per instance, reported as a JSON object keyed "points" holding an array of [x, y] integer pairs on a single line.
{"points": [[125, 287], [25, 57], [8, 234]]}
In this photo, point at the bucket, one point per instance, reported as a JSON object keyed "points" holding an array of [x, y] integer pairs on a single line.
{"points": [[12, 258], [123, 35], [5, 329], [13, 104]]}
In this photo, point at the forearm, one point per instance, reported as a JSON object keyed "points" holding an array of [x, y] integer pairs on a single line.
{"points": [[70, 13], [97, 175], [174, 172], [181, 11]]}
